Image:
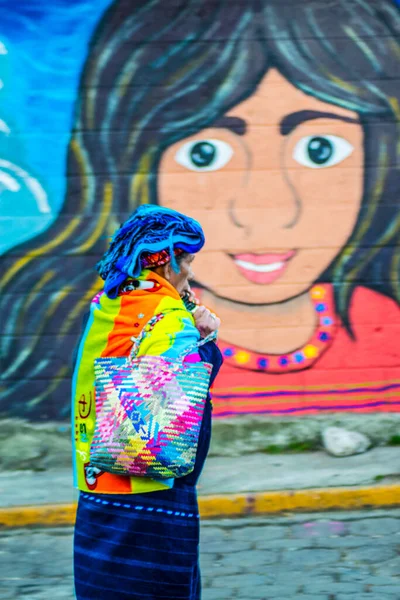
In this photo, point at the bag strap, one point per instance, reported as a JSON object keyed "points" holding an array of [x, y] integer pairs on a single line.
{"points": [[148, 328], [210, 338]]}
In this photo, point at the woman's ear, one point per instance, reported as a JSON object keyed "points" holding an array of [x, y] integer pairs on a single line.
{"points": [[164, 271], [167, 271]]}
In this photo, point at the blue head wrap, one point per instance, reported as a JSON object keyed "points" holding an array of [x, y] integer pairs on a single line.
{"points": [[150, 229]]}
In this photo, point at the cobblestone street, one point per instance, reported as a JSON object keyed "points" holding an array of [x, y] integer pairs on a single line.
{"points": [[335, 556]]}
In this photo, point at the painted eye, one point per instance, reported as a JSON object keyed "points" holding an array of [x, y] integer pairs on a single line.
{"points": [[318, 152], [204, 155]]}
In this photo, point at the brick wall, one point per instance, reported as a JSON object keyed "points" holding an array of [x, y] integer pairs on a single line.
{"points": [[273, 123]]}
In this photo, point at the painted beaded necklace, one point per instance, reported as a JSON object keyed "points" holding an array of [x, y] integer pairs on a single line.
{"points": [[301, 358]]}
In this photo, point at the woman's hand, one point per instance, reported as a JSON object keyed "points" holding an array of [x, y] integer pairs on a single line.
{"points": [[206, 321]]}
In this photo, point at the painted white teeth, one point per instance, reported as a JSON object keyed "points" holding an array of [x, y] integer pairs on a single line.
{"points": [[259, 268]]}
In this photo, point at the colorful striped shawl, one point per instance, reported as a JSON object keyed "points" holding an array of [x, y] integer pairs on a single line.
{"points": [[108, 332]]}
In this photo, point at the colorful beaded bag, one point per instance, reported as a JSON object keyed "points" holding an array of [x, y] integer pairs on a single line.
{"points": [[149, 412]]}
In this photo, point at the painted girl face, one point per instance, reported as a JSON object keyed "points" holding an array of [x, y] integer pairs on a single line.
{"points": [[277, 186]]}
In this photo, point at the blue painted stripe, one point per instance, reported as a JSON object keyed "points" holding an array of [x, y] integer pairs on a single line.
{"points": [[311, 407], [306, 392]]}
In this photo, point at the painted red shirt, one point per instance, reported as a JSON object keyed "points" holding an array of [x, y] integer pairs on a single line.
{"points": [[333, 372]]}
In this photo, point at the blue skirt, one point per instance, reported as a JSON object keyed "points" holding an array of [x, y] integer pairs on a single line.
{"points": [[138, 547]]}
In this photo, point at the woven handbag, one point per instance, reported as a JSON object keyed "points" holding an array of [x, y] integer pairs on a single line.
{"points": [[149, 412]]}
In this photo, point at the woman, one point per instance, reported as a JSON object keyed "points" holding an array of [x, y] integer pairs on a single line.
{"points": [[276, 124], [136, 537]]}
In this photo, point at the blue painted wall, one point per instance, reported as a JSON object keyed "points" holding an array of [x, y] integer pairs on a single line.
{"points": [[43, 47]]}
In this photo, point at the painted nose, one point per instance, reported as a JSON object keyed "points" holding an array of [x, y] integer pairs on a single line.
{"points": [[275, 190]]}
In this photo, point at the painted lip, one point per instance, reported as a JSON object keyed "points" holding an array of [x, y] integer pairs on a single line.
{"points": [[263, 268]]}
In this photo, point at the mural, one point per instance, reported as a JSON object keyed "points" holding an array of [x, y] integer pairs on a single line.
{"points": [[275, 123]]}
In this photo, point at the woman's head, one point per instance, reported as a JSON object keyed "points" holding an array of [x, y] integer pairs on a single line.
{"points": [[181, 277], [152, 238]]}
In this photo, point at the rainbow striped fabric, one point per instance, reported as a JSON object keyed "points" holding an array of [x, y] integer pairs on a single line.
{"points": [[108, 332]]}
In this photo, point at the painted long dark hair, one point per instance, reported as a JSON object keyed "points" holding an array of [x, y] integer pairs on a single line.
{"points": [[158, 72]]}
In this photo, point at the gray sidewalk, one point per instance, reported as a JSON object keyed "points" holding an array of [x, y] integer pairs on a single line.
{"points": [[228, 475]]}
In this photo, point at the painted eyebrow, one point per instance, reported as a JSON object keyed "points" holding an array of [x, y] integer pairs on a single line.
{"points": [[294, 119], [234, 124]]}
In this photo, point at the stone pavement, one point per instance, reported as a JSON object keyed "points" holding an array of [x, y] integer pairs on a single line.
{"points": [[334, 556]]}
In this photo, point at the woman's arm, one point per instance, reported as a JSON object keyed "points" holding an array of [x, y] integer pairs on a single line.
{"points": [[212, 354]]}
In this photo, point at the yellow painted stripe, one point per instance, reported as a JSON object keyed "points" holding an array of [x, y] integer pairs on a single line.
{"points": [[54, 383], [232, 505], [24, 260], [79, 306], [50, 515], [78, 152], [270, 403], [313, 500], [103, 217], [36, 289]]}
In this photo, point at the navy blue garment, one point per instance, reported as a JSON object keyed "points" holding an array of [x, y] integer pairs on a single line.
{"points": [[144, 546]]}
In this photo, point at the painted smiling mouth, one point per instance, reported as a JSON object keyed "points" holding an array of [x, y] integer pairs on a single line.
{"points": [[263, 268]]}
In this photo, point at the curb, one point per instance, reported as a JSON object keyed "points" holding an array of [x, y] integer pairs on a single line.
{"points": [[311, 500], [230, 506]]}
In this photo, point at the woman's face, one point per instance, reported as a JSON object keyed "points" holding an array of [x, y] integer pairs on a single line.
{"points": [[277, 186], [180, 281]]}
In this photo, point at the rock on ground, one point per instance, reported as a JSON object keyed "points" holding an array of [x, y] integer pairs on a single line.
{"points": [[341, 442]]}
